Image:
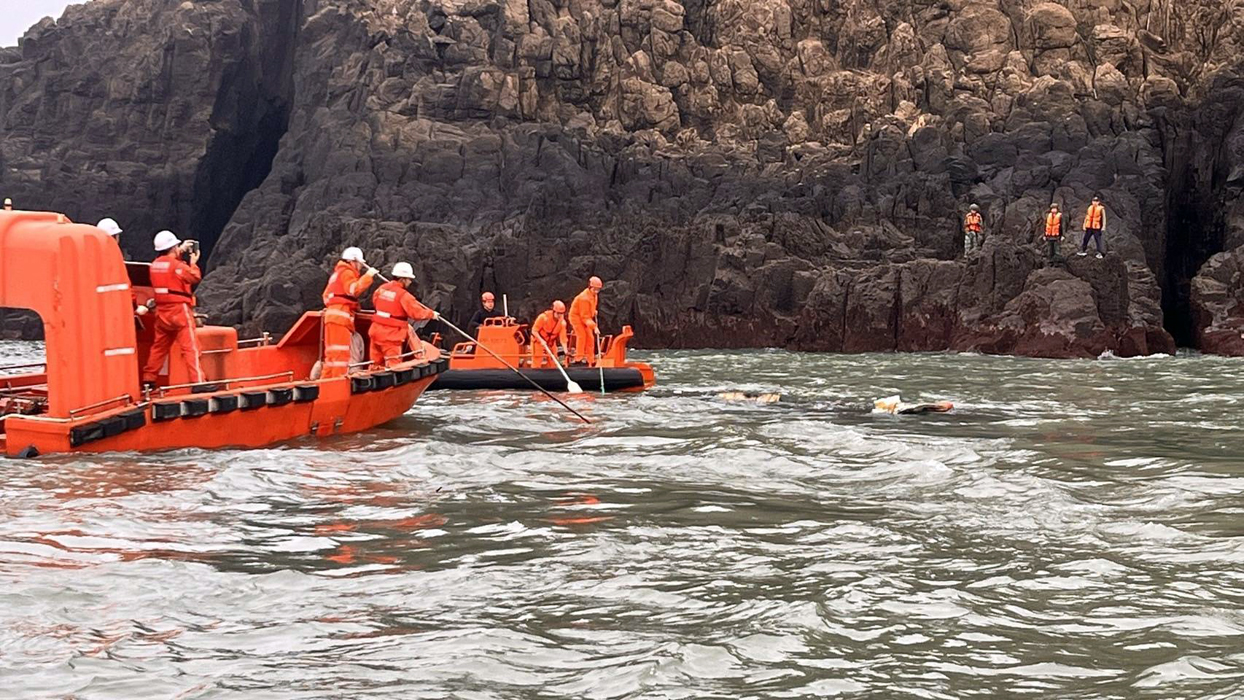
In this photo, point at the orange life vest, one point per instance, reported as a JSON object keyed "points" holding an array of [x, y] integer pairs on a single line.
{"points": [[173, 280], [973, 222], [551, 328], [1053, 224], [390, 311], [1096, 217], [341, 287]]}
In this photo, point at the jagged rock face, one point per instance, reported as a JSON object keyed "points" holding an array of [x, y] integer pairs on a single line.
{"points": [[744, 172], [144, 110]]}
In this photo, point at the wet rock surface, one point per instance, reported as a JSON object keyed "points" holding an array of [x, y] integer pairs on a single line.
{"points": [[742, 173]]}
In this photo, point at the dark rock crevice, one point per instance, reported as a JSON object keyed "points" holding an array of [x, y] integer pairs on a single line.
{"points": [[250, 116], [1202, 160], [1195, 229]]}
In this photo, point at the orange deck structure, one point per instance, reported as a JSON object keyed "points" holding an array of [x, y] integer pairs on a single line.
{"points": [[471, 367], [88, 397]]}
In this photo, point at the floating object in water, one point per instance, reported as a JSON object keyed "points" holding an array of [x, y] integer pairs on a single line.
{"points": [[471, 367], [87, 398], [895, 405], [768, 397]]}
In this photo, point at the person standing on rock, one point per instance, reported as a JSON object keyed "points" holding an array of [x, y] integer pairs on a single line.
{"points": [[583, 320], [395, 308], [172, 281], [487, 310], [1053, 230], [1094, 224], [972, 230], [341, 301]]}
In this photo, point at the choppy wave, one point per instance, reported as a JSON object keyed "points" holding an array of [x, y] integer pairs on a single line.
{"points": [[1073, 529]]}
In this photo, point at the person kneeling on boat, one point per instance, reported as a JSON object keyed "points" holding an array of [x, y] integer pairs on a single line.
{"points": [[173, 280], [341, 300], [551, 327], [583, 320], [395, 307]]}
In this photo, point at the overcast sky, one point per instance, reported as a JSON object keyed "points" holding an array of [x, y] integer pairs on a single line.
{"points": [[16, 16]]}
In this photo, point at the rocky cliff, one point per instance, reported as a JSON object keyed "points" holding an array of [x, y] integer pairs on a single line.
{"points": [[741, 172]]}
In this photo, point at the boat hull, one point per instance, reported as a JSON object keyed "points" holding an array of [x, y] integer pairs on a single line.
{"points": [[630, 378], [274, 414]]}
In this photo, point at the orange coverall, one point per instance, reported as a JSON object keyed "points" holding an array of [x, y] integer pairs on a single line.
{"points": [[173, 281], [341, 300], [583, 320], [389, 329]]}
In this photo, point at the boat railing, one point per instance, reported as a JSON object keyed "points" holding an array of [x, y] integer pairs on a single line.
{"points": [[126, 398], [289, 374], [401, 358], [261, 341], [30, 365], [9, 390]]}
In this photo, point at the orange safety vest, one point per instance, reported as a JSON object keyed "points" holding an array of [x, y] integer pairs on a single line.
{"points": [[1053, 224], [972, 222], [551, 328], [395, 306], [173, 280], [341, 287], [1096, 217]]}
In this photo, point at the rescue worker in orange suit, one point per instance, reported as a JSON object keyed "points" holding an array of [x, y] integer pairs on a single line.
{"points": [[487, 310], [395, 308], [1094, 224], [972, 228], [550, 326], [583, 320], [113, 229], [1053, 230], [341, 300], [173, 280]]}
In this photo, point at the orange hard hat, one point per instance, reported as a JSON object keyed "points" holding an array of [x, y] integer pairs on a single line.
{"points": [[559, 307], [595, 283], [487, 296]]}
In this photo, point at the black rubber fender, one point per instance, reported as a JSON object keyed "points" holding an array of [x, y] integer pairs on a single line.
{"points": [[82, 434], [223, 404], [165, 411], [306, 392], [113, 426], [360, 385], [249, 400], [135, 419], [280, 397], [382, 380]]}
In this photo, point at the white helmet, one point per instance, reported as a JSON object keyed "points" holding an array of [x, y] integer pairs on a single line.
{"points": [[165, 240], [352, 254], [109, 227], [403, 270]]}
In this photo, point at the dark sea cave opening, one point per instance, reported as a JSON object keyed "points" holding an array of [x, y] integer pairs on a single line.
{"points": [[1195, 231], [251, 115]]}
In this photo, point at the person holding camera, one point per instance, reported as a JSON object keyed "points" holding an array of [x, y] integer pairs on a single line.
{"points": [[173, 280]]}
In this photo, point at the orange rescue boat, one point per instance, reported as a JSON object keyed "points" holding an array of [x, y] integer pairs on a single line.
{"points": [[471, 367], [88, 399]]}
